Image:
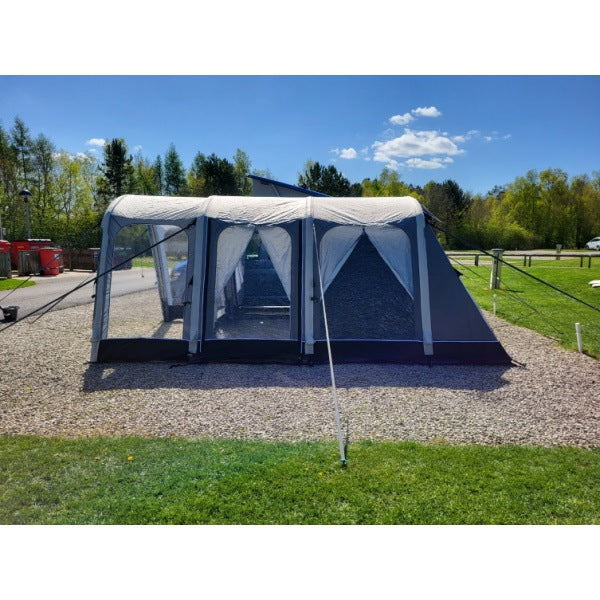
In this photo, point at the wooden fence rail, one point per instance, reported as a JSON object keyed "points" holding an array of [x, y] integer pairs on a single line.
{"points": [[527, 256]]}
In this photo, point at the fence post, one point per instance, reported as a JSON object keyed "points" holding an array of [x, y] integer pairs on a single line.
{"points": [[558, 249], [476, 260], [496, 265]]}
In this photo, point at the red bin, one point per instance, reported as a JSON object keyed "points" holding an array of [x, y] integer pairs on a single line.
{"points": [[50, 261]]}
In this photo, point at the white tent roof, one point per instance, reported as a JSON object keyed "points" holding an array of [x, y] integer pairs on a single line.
{"points": [[130, 209]]}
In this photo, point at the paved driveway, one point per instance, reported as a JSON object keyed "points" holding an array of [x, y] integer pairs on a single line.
{"points": [[49, 288]]}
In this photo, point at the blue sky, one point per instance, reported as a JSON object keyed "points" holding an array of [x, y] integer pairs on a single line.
{"points": [[478, 130]]}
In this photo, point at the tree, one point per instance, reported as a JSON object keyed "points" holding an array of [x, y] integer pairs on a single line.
{"points": [[241, 168], [195, 178], [388, 184], [159, 176], [116, 172], [75, 223], [449, 203], [266, 173], [22, 143], [213, 175], [144, 177], [174, 173], [43, 152], [557, 208], [327, 180], [9, 187]]}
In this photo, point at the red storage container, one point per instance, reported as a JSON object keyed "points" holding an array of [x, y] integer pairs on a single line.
{"points": [[50, 261], [20, 245]]}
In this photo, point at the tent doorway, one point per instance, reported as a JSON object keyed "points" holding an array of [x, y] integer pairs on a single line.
{"points": [[251, 284]]}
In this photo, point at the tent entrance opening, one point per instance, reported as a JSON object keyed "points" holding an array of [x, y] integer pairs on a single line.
{"points": [[252, 300]]}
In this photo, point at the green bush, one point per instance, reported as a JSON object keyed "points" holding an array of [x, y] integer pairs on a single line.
{"points": [[509, 236]]}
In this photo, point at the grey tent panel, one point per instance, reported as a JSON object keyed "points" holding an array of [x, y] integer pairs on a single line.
{"points": [[391, 294], [454, 314]]}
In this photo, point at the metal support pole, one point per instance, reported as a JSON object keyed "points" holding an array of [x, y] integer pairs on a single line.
{"points": [[28, 220]]}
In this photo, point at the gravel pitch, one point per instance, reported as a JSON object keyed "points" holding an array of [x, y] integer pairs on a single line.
{"points": [[48, 388]]}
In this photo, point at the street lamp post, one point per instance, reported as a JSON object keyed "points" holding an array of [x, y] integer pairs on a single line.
{"points": [[25, 194]]}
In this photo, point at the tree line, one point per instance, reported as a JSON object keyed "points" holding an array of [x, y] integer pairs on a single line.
{"points": [[69, 194]]}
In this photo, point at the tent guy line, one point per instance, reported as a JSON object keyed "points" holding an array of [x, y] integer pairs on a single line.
{"points": [[336, 405], [53, 303]]}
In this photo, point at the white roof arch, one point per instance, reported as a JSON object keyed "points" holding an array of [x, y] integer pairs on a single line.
{"points": [[177, 210]]}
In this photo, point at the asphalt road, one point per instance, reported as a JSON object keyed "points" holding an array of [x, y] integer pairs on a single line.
{"points": [[51, 287]]}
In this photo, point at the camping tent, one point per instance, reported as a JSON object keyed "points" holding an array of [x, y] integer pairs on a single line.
{"points": [[250, 289]]}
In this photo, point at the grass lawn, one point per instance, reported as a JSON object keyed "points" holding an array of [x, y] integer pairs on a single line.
{"points": [[148, 262], [11, 284], [135, 481], [526, 302]]}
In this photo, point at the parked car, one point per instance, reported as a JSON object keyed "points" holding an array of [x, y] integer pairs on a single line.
{"points": [[593, 244], [178, 282]]}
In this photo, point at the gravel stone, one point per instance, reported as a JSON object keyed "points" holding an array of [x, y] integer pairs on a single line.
{"points": [[49, 388]]}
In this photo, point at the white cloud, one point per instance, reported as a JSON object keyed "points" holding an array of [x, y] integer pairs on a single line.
{"points": [[415, 144], [487, 138], [419, 163], [96, 142], [348, 153], [426, 111], [465, 137], [507, 136], [137, 149], [401, 119]]}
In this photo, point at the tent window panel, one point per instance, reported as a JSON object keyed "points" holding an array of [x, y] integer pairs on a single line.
{"points": [[252, 284], [170, 259], [154, 310], [365, 300]]}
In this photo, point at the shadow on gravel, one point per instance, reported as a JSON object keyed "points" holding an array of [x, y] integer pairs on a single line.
{"points": [[117, 376]]}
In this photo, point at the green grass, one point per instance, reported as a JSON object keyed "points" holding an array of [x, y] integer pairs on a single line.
{"points": [[135, 481], [528, 303], [148, 262], [11, 284]]}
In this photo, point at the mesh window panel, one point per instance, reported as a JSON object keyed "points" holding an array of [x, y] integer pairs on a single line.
{"points": [[366, 301], [253, 304], [136, 307]]}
